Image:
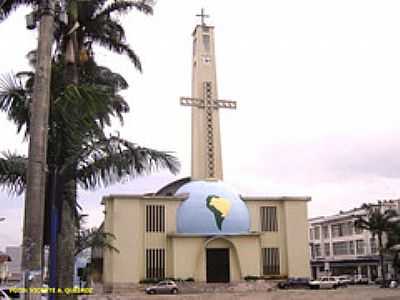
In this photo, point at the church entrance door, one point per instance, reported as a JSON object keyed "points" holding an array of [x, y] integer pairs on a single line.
{"points": [[218, 265]]}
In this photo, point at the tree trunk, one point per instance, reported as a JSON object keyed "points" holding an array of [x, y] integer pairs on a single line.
{"points": [[36, 172], [66, 240], [381, 259], [395, 264], [66, 237]]}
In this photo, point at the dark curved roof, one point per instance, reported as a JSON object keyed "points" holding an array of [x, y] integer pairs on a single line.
{"points": [[171, 188]]}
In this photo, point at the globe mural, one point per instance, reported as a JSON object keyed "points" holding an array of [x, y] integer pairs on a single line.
{"points": [[211, 208]]}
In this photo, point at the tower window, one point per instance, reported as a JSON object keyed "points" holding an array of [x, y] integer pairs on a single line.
{"points": [[206, 42], [155, 218], [155, 263], [269, 221], [270, 261]]}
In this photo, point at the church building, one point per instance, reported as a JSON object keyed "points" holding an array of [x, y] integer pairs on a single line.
{"points": [[199, 227]]}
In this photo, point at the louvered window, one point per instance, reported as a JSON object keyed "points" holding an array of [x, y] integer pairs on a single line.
{"points": [[270, 258], [155, 263], [269, 220], [155, 218]]}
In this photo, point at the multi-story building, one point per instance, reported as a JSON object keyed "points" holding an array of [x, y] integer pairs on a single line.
{"points": [[14, 266], [338, 247], [4, 261]]}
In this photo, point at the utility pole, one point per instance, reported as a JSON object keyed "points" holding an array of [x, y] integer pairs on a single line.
{"points": [[37, 165]]}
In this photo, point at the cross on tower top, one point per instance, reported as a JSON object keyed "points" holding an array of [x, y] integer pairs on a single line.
{"points": [[202, 15]]}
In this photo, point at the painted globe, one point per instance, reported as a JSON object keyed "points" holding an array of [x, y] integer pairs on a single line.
{"points": [[211, 208]]}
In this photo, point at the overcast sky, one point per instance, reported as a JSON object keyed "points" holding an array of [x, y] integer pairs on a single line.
{"points": [[317, 85]]}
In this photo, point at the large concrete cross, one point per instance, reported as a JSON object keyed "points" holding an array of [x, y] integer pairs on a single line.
{"points": [[209, 104]]}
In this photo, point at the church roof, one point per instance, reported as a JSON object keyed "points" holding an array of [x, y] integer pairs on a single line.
{"points": [[276, 198], [171, 188]]}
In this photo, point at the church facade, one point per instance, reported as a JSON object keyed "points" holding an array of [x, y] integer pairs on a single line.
{"points": [[199, 227]]}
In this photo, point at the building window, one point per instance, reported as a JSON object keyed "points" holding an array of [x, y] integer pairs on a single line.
{"points": [[269, 220], [317, 250], [342, 229], [358, 230], [317, 233], [337, 230], [374, 246], [325, 231], [155, 263], [340, 248], [155, 218], [351, 247], [360, 245], [311, 234], [327, 249], [350, 227], [270, 259]]}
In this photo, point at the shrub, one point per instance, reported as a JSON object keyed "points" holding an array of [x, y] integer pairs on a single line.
{"points": [[149, 280], [251, 277]]}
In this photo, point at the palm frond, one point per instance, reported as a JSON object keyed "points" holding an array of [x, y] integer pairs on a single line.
{"points": [[94, 238], [13, 172], [121, 7], [15, 100], [8, 6], [117, 46], [114, 159]]}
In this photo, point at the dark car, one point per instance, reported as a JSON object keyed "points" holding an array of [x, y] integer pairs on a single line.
{"points": [[163, 287], [294, 282]]}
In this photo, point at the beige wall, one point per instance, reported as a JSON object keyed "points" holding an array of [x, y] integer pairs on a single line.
{"points": [[297, 239], [185, 256], [125, 219], [270, 239]]}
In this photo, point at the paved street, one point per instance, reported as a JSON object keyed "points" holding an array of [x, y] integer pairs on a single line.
{"points": [[350, 293]]}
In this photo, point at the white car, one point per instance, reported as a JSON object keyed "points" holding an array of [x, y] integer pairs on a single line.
{"points": [[344, 280], [326, 282]]}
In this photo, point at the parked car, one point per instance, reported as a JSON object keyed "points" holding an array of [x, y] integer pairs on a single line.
{"points": [[344, 280], [294, 282], [163, 287], [326, 282], [360, 279]]}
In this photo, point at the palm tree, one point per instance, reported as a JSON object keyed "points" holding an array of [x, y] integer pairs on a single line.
{"points": [[78, 149], [89, 22], [377, 223], [392, 245]]}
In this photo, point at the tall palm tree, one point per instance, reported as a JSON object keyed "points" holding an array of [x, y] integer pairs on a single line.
{"points": [[77, 148], [377, 223], [94, 21]]}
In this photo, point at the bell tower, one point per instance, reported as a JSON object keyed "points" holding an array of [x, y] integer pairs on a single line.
{"points": [[206, 136]]}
